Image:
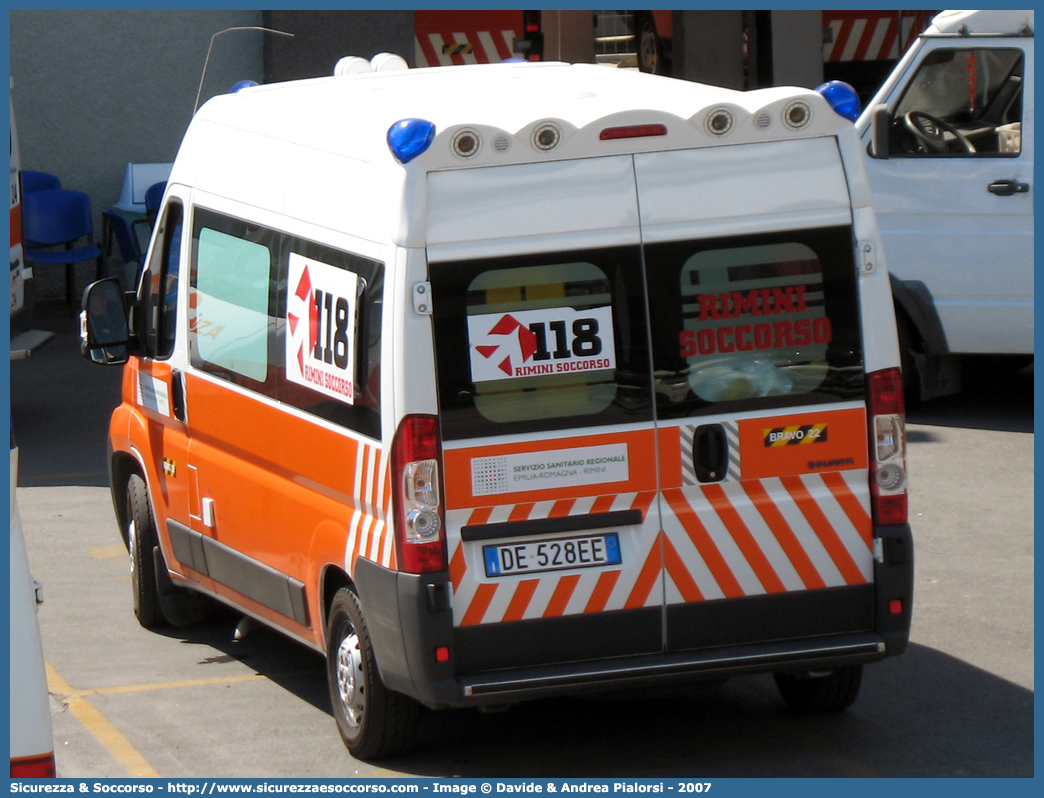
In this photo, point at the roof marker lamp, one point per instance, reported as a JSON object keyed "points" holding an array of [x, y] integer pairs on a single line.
{"points": [[408, 138], [842, 98], [632, 132]]}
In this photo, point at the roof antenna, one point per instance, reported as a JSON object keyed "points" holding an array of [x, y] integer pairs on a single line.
{"points": [[202, 77]]}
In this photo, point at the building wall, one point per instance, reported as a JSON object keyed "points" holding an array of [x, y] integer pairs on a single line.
{"points": [[321, 38], [96, 90]]}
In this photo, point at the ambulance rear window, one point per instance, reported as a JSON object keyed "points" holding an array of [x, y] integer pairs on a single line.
{"points": [[545, 341], [670, 330], [755, 321]]}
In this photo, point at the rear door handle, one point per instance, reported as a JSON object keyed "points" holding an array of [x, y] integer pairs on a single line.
{"points": [[1005, 188], [710, 453]]}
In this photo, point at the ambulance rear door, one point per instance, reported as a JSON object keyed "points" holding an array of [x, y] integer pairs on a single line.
{"points": [[650, 383], [546, 414], [759, 393]]}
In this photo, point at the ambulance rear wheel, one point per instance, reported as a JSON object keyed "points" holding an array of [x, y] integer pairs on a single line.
{"points": [[141, 540], [806, 692], [374, 722]]}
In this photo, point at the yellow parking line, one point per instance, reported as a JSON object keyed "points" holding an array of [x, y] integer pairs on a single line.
{"points": [[126, 755], [137, 688]]}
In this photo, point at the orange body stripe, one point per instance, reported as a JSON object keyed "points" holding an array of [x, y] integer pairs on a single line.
{"points": [[744, 539], [559, 599], [479, 605], [457, 567], [701, 539], [850, 504], [602, 590], [603, 504], [647, 578], [784, 534], [824, 531], [520, 601], [562, 508], [679, 573], [521, 512], [643, 501], [479, 516]]}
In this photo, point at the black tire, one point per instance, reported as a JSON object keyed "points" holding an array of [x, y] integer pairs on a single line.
{"points": [[157, 600], [141, 540], [180, 606], [374, 722], [647, 43], [911, 379], [821, 694]]}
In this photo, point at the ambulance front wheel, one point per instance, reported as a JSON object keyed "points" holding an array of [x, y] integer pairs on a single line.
{"points": [[374, 722], [141, 539], [812, 692]]}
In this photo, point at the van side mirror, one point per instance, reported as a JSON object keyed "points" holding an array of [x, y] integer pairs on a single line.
{"points": [[104, 328], [880, 129]]}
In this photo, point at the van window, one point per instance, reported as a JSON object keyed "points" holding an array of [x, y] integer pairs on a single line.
{"points": [[546, 341], [255, 294], [160, 285], [964, 102], [754, 322], [232, 278]]}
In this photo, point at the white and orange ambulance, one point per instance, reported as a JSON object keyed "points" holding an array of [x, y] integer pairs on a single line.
{"points": [[507, 381]]}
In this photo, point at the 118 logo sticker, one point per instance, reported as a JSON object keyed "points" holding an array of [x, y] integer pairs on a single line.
{"points": [[533, 343], [321, 316]]}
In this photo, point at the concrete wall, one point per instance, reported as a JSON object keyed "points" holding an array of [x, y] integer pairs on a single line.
{"points": [[321, 38], [94, 90]]}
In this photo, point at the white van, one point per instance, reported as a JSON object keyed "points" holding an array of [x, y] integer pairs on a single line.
{"points": [[952, 175], [509, 381], [32, 745]]}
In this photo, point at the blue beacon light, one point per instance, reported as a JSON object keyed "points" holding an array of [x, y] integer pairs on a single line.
{"points": [[842, 98], [243, 84], [408, 138]]}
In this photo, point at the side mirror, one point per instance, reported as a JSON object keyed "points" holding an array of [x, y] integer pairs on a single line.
{"points": [[104, 328], [880, 129]]}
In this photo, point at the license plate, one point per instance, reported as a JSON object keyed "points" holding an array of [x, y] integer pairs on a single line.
{"points": [[540, 556]]}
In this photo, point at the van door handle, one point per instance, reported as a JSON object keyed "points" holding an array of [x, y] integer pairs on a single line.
{"points": [[177, 395], [1005, 188], [710, 453]]}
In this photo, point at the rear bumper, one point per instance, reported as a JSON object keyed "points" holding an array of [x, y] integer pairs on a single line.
{"points": [[409, 618]]}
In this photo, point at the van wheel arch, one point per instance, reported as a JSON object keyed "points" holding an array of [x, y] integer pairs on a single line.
{"points": [[374, 722], [121, 468], [929, 369]]}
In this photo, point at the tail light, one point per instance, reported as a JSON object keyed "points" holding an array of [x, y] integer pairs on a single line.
{"points": [[887, 447], [417, 496], [33, 767]]}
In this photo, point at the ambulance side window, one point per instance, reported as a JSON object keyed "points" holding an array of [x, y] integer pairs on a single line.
{"points": [[229, 311], [258, 298], [160, 286], [961, 102]]}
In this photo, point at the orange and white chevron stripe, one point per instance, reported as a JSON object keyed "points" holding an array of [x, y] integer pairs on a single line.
{"points": [[369, 533], [725, 540], [480, 600]]}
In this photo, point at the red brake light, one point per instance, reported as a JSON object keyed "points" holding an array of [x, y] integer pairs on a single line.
{"points": [[632, 132], [416, 496], [887, 419]]}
